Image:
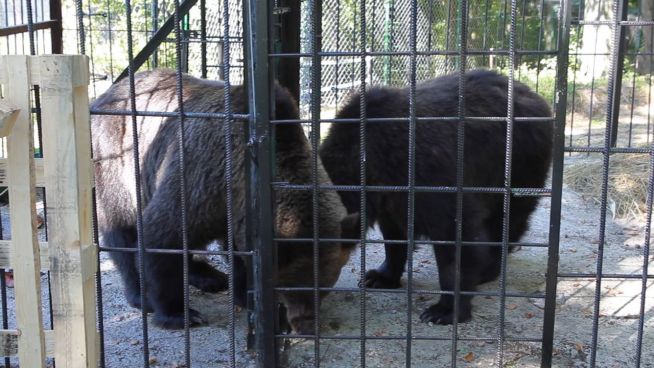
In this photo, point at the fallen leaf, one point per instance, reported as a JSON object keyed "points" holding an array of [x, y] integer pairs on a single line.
{"points": [[511, 306], [529, 315], [469, 357], [579, 347]]}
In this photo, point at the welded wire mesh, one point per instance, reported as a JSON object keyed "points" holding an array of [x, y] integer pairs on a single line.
{"points": [[104, 35]]}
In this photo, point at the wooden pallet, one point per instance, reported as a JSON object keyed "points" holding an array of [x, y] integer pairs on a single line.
{"points": [[66, 173]]}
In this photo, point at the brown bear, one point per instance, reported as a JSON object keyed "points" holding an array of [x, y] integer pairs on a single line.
{"points": [[387, 157], [206, 195]]}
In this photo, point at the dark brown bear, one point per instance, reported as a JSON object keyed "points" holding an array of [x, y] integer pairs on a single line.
{"points": [[436, 165], [206, 211]]}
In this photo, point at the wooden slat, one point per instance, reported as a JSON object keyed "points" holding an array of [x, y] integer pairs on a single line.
{"points": [[6, 255], [22, 204], [9, 343], [46, 71], [38, 172], [8, 116], [66, 143]]}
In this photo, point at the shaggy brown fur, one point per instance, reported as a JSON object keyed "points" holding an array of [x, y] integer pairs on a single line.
{"points": [[206, 194]]}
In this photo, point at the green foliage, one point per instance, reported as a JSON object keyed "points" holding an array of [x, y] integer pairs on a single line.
{"points": [[106, 32]]}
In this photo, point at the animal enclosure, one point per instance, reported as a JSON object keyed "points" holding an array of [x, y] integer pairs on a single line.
{"points": [[226, 236]]}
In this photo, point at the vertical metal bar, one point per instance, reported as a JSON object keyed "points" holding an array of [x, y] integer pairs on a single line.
{"points": [[250, 213], [111, 39], [506, 205], [411, 174], [389, 7], [227, 129], [485, 35], [56, 31], [288, 73], [362, 181], [430, 36], [632, 108], [81, 42], [460, 169], [337, 74], [522, 38], [3, 294], [91, 44], [259, 97], [98, 287], [649, 89], [540, 42], [561, 99], [7, 23], [615, 76], [203, 38], [182, 181], [450, 10], [5, 314], [592, 82], [337, 59], [503, 29], [316, 75], [155, 28], [30, 26], [574, 90], [45, 231], [137, 180], [620, 11]]}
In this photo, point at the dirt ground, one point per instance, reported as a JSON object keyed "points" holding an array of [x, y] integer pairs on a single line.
{"points": [[386, 313]]}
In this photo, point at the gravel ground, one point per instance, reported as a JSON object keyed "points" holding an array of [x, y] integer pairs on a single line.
{"points": [[386, 314]]}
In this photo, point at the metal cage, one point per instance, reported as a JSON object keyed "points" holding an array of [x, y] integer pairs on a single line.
{"points": [[579, 291]]}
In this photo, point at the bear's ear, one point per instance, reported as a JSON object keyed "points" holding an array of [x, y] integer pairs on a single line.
{"points": [[351, 227]]}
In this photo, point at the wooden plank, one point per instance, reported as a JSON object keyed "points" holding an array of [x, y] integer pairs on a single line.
{"points": [[38, 172], [9, 343], [22, 205], [46, 72], [8, 116], [6, 255], [64, 105]]}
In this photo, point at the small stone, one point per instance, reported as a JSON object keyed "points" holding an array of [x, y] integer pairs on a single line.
{"points": [[538, 302]]}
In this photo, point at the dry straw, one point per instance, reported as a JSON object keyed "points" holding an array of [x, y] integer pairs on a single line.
{"points": [[628, 179]]}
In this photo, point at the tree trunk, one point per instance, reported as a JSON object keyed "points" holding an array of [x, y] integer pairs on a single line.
{"points": [[595, 59]]}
